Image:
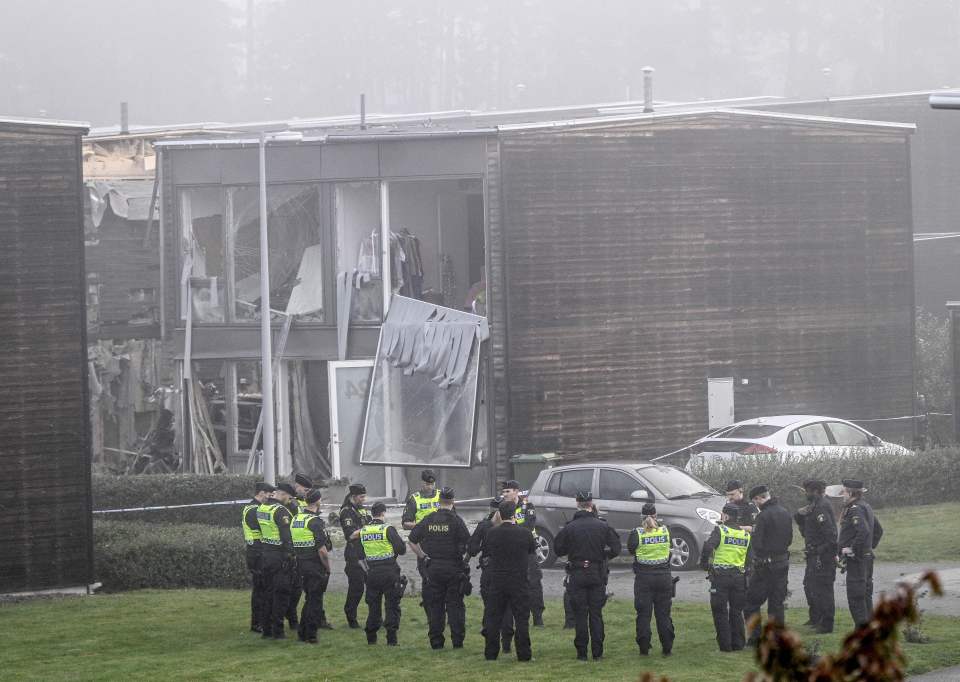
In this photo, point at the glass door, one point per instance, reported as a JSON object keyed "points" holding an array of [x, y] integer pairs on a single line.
{"points": [[349, 382]]}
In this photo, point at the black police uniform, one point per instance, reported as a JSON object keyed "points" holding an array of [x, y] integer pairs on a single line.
{"points": [[253, 553], [276, 564], [296, 591], [384, 590], [770, 559], [353, 518], [818, 526], [587, 542], [526, 516], [508, 548], [314, 578], [728, 593], [443, 537], [652, 595], [861, 531], [476, 546]]}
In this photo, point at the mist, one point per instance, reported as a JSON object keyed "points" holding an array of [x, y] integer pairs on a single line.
{"points": [[213, 60]]}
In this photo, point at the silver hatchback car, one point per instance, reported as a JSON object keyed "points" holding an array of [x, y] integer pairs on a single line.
{"points": [[687, 505]]}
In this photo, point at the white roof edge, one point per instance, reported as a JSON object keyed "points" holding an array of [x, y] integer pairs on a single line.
{"points": [[45, 122], [746, 113], [858, 98]]}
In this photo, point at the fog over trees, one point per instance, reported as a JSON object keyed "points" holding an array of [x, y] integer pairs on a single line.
{"points": [[233, 60]]}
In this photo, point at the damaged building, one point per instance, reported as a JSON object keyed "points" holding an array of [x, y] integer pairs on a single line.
{"points": [[583, 280]]}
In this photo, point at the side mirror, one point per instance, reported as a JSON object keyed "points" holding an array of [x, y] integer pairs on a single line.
{"points": [[640, 495], [875, 441]]}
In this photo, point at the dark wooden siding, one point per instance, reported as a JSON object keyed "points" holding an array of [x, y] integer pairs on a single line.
{"points": [[44, 446], [643, 260]]}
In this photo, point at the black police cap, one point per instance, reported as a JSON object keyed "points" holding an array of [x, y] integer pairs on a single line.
{"points": [[649, 509], [427, 476], [358, 489], [378, 508], [758, 490], [447, 494], [303, 480], [584, 496], [734, 485], [314, 496], [287, 488], [814, 484], [264, 487], [852, 484], [511, 484]]}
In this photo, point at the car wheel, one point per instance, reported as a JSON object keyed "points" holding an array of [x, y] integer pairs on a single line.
{"points": [[683, 550], [545, 554]]}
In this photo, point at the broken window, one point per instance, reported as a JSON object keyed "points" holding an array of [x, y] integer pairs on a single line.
{"points": [[422, 406], [204, 254], [359, 257]]}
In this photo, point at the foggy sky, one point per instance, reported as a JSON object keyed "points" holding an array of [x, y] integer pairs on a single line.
{"points": [[180, 61]]}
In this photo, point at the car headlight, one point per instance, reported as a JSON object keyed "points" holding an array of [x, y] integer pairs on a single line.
{"points": [[708, 515]]}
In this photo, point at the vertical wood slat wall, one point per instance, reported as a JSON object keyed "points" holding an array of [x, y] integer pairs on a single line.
{"points": [[44, 428]]}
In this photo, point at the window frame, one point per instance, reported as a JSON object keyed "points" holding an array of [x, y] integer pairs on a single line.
{"points": [[640, 485], [796, 432], [834, 439]]}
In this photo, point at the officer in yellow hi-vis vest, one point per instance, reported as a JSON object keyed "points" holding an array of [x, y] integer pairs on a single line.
{"points": [[380, 545], [652, 582], [311, 545], [276, 560], [251, 536], [725, 557], [419, 506]]}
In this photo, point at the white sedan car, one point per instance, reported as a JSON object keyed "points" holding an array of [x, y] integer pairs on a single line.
{"points": [[793, 435]]}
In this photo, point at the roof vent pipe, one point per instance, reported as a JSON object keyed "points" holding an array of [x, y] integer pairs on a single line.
{"points": [[124, 119], [647, 89], [363, 111]]}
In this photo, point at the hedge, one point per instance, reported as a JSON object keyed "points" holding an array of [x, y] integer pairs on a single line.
{"points": [[121, 492], [136, 555], [926, 477]]}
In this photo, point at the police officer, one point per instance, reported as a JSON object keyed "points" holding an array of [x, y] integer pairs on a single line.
{"points": [[818, 527], [353, 516], [525, 515], [251, 536], [860, 533], [276, 560], [770, 558], [748, 511], [440, 540], [587, 542], [477, 546], [423, 502], [301, 486], [508, 547], [312, 547], [293, 506], [725, 558], [652, 583], [380, 544]]}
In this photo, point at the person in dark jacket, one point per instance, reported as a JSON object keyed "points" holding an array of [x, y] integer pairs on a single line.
{"points": [[477, 546], [294, 505], [860, 533], [440, 541], [818, 526], [725, 558], [311, 546], [652, 582], [747, 511], [353, 517], [526, 515], [588, 543], [770, 559], [277, 559], [508, 547], [251, 536]]}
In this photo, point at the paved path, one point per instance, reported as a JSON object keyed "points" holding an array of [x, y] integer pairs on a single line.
{"points": [[944, 675]]}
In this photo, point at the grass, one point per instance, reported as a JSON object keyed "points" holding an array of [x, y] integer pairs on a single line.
{"points": [[202, 635], [911, 534]]}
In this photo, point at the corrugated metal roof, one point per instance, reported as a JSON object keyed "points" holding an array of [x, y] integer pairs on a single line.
{"points": [[44, 123]]}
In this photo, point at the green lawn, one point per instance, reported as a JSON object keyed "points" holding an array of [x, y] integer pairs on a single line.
{"points": [[202, 635], [924, 533]]}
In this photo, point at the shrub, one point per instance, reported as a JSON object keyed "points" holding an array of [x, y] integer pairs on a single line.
{"points": [[926, 477], [121, 492], [136, 555]]}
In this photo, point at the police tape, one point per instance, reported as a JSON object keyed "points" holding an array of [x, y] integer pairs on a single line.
{"points": [[243, 501]]}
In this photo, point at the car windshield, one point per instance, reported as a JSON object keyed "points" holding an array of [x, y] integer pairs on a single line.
{"points": [[675, 484], [751, 431]]}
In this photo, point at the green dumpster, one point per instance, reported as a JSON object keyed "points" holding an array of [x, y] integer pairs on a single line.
{"points": [[526, 468]]}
